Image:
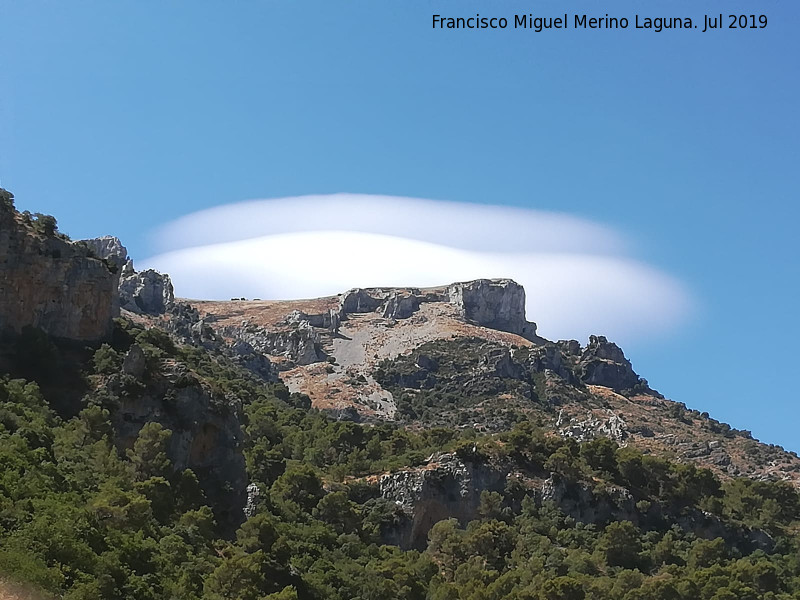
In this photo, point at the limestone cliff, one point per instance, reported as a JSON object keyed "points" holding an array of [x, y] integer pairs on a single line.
{"points": [[142, 292], [205, 424], [49, 282], [493, 303], [450, 486]]}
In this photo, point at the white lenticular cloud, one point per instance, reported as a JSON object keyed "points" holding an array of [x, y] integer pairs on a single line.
{"points": [[576, 273], [489, 228]]}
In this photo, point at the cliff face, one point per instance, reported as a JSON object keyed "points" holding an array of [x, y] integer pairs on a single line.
{"points": [[493, 303], [51, 283], [143, 292], [205, 425], [448, 486]]}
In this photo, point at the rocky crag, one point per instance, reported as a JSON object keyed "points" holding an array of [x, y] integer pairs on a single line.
{"points": [[51, 283], [72, 291], [142, 292], [205, 425]]}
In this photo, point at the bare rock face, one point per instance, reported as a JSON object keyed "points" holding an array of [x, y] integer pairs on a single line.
{"points": [[400, 306], [51, 283], [109, 248], [147, 292], [299, 342], [494, 303], [134, 363], [447, 487], [612, 426], [604, 363], [358, 300]]}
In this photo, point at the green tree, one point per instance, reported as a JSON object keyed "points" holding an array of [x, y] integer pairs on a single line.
{"points": [[338, 512], [298, 489], [620, 544], [149, 453], [600, 455], [562, 588]]}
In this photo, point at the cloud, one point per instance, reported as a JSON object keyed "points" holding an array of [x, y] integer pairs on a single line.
{"points": [[489, 228], [578, 275]]}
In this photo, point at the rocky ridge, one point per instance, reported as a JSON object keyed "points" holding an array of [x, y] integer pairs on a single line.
{"points": [[332, 349]]}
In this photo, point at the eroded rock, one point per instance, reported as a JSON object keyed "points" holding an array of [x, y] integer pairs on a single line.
{"points": [[604, 363], [300, 342], [358, 300], [494, 303], [134, 362], [400, 306], [447, 487], [51, 283], [147, 292]]}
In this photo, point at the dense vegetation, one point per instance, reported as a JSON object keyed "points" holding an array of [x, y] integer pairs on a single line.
{"points": [[83, 518], [454, 383]]}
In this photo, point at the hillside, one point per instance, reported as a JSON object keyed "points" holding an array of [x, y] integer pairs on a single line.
{"points": [[378, 364], [419, 444]]}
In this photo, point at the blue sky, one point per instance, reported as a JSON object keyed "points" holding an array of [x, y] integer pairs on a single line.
{"points": [[121, 117]]}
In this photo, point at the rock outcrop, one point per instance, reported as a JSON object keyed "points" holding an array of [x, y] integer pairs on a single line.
{"points": [[358, 300], [145, 292], [109, 248], [48, 282], [604, 363], [206, 428], [446, 487], [494, 303], [186, 326], [612, 426], [142, 292], [400, 306], [298, 341]]}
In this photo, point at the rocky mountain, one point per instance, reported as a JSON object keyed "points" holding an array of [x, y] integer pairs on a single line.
{"points": [[462, 355], [382, 443], [465, 356]]}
